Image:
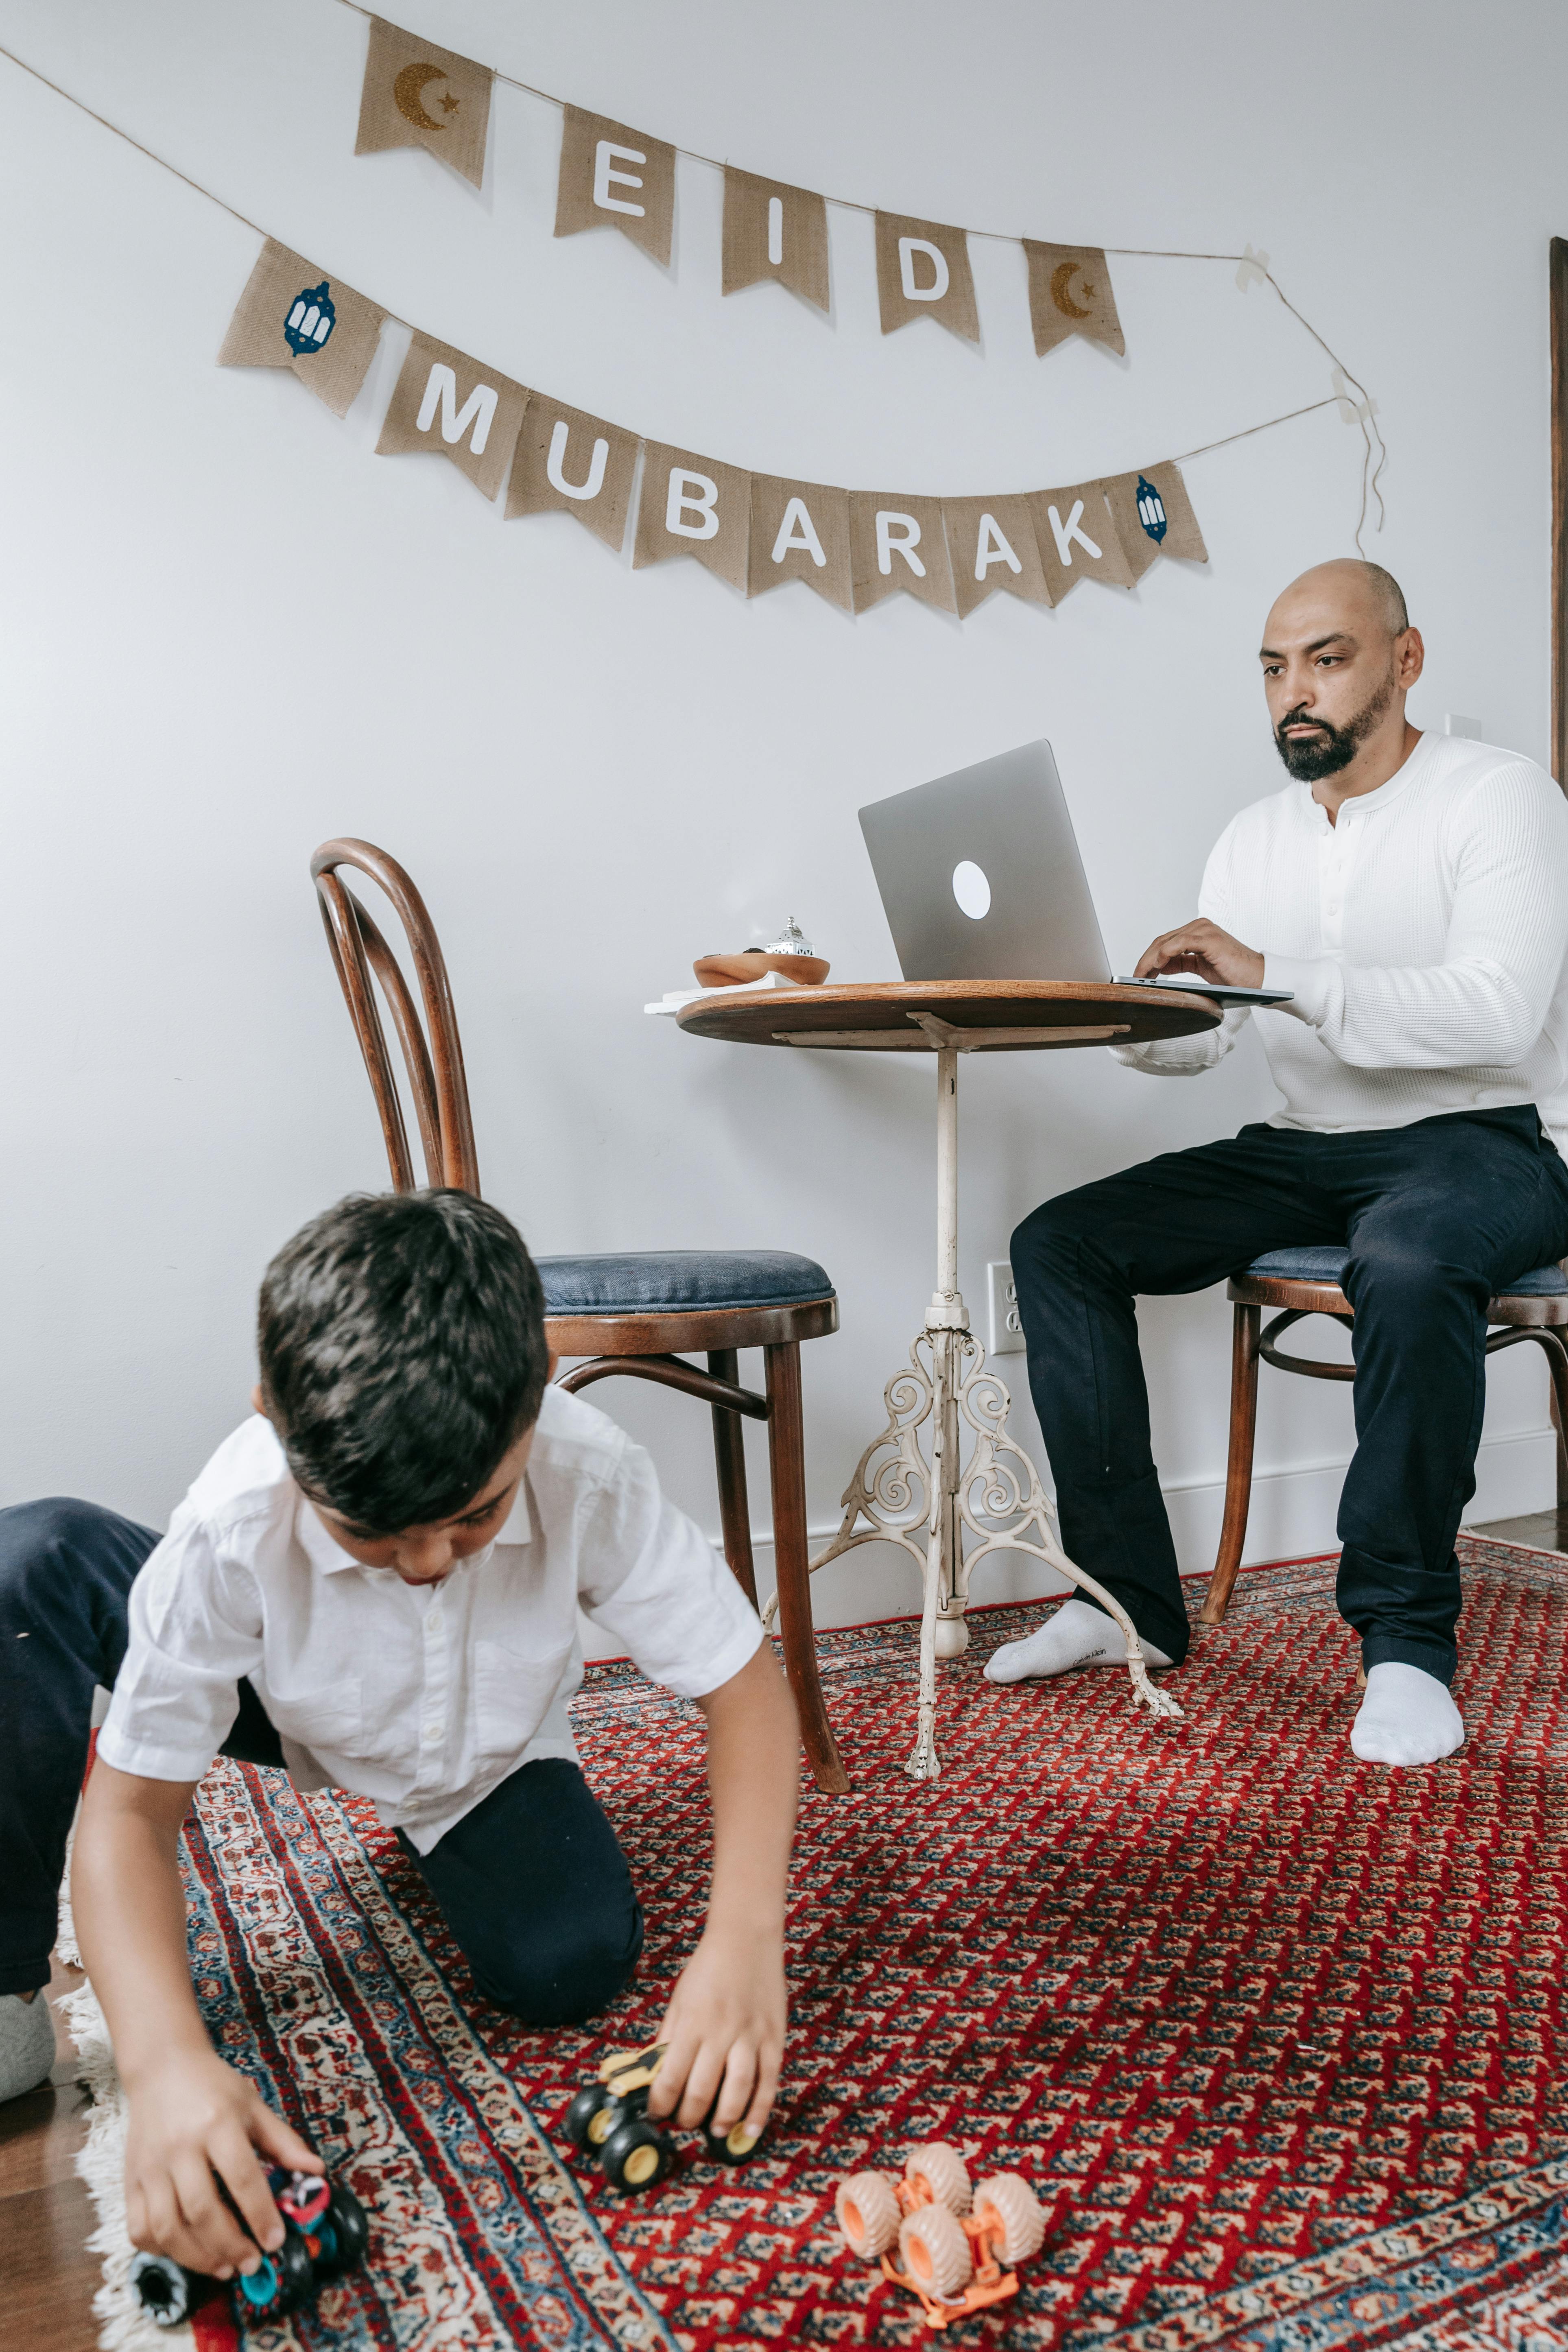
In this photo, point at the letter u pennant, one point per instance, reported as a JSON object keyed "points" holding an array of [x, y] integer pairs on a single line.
{"points": [[575, 464], [456, 406]]}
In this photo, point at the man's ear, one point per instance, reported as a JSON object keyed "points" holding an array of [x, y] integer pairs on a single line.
{"points": [[258, 1402], [1411, 658], [552, 1367]]}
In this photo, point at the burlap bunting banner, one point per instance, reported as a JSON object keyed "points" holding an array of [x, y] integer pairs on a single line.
{"points": [[615, 178], [575, 463], [897, 543], [293, 315], [991, 543], [1154, 516], [922, 272], [800, 531], [1069, 294], [416, 95], [1077, 539], [774, 231], [693, 506], [446, 402]]}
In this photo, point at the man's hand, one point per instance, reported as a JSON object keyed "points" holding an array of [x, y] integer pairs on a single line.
{"points": [[1202, 948], [725, 2029], [192, 2118]]}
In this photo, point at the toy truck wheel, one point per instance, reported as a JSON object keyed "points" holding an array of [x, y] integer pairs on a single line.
{"points": [[279, 2284], [737, 2146], [1013, 2217], [866, 2206], [636, 2155], [944, 2173], [342, 2235], [935, 2252], [161, 2288], [591, 2117]]}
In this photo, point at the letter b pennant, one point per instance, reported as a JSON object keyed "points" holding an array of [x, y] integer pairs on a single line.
{"points": [[694, 505]]}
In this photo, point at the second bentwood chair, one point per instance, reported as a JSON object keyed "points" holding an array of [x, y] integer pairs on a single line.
{"points": [[637, 1314], [1304, 1282]]}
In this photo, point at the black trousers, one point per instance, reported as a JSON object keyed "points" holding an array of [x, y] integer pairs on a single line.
{"points": [[532, 1884], [1438, 1216]]}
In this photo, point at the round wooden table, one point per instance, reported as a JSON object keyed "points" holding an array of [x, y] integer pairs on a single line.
{"points": [[948, 1513]]}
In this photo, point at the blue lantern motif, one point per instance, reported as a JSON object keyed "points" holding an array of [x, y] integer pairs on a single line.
{"points": [[1151, 510], [311, 320]]}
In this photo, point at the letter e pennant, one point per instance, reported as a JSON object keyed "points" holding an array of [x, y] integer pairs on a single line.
{"points": [[446, 402], [615, 178], [293, 315], [574, 463], [416, 95], [694, 505], [800, 531], [1069, 294]]}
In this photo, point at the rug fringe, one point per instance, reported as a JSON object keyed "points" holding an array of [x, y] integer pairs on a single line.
{"points": [[123, 2326]]}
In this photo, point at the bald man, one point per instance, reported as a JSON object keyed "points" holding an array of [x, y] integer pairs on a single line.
{"points": [[1412, 892]]}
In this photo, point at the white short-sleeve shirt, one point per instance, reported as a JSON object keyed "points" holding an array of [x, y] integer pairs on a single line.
{"points": [[421, 1698]]}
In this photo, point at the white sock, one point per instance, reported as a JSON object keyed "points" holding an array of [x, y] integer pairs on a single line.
{"points": [[1077, 1635], [1407, 1717], [26, 2043]]}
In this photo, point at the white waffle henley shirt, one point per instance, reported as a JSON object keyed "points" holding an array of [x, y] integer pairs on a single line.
{"points": [[1423, 937]]}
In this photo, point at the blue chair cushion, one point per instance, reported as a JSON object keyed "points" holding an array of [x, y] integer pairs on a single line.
{"points": [[1323, 1265], [667, 1282]]}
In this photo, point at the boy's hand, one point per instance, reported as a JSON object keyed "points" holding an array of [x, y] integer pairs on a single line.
{"points": [[192, 2118], [724, 2029]]}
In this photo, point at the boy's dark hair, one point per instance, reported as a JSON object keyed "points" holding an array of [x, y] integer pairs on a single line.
{"points": [[403, 1353]]}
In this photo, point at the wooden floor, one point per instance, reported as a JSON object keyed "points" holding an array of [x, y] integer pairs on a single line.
{"points": [[1542, 1530], [46, 2217]]}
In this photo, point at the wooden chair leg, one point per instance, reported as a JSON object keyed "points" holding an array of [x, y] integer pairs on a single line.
{"points": [[730, 1458], [786, 1464], [1239, 1470]]}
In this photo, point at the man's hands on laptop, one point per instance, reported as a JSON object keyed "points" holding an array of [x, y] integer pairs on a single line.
{"points": [[1203, 949]]}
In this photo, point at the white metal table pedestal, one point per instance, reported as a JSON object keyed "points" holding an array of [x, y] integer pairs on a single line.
{"points": [[994, 1501]]}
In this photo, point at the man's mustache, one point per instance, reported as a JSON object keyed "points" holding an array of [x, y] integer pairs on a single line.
{"points": [[1302, 716]]}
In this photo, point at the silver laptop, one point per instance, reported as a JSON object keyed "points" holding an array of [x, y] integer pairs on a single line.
{"points": [[981, 879]]}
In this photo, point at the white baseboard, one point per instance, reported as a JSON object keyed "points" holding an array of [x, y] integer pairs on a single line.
{"points": [[1292, 1514]]}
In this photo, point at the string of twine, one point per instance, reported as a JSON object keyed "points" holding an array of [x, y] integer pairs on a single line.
{"points": [[849, 202]]}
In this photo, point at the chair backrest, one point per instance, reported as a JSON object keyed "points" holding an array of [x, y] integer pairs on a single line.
{"points": [[434, 1063]]}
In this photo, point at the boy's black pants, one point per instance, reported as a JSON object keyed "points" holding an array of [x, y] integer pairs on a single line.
{"points": [[1438, 1216], [532, 1884]]}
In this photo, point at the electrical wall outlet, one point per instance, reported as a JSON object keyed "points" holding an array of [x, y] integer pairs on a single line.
{"points": [[1002, 1297], [1454, 723]]}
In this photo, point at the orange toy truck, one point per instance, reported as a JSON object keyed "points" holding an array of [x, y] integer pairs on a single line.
{"points": [[958, 2248]]}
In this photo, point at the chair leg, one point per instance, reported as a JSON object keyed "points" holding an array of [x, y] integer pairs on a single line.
{"points": [[730, 1458], [786, 1464], [1239, 1470]]}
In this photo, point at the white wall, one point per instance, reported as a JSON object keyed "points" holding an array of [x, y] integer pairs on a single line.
{"points": [[229, 631]]}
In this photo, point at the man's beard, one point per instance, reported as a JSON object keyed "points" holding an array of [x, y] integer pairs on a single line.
{"points": [[1316, 756]]}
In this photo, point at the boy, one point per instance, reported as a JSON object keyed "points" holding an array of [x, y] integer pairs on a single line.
{"points": [[379, 1576]]}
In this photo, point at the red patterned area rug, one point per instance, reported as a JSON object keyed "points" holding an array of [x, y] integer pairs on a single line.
{"points": [[1274, 2033]]}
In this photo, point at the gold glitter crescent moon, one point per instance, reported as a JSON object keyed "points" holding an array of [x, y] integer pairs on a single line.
{"points": [[405, 89], [1062, 277]]}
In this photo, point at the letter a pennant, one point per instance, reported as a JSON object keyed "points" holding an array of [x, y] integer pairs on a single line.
{"points": [[800, 531], [992, 544]]}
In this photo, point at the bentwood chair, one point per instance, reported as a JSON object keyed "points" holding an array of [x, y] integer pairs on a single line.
{"points": [[641, 1315], [1307, 1282]]}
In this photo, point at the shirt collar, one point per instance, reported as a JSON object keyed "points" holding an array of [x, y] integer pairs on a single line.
{"points": [[322, 1550], [1404, 775]]}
